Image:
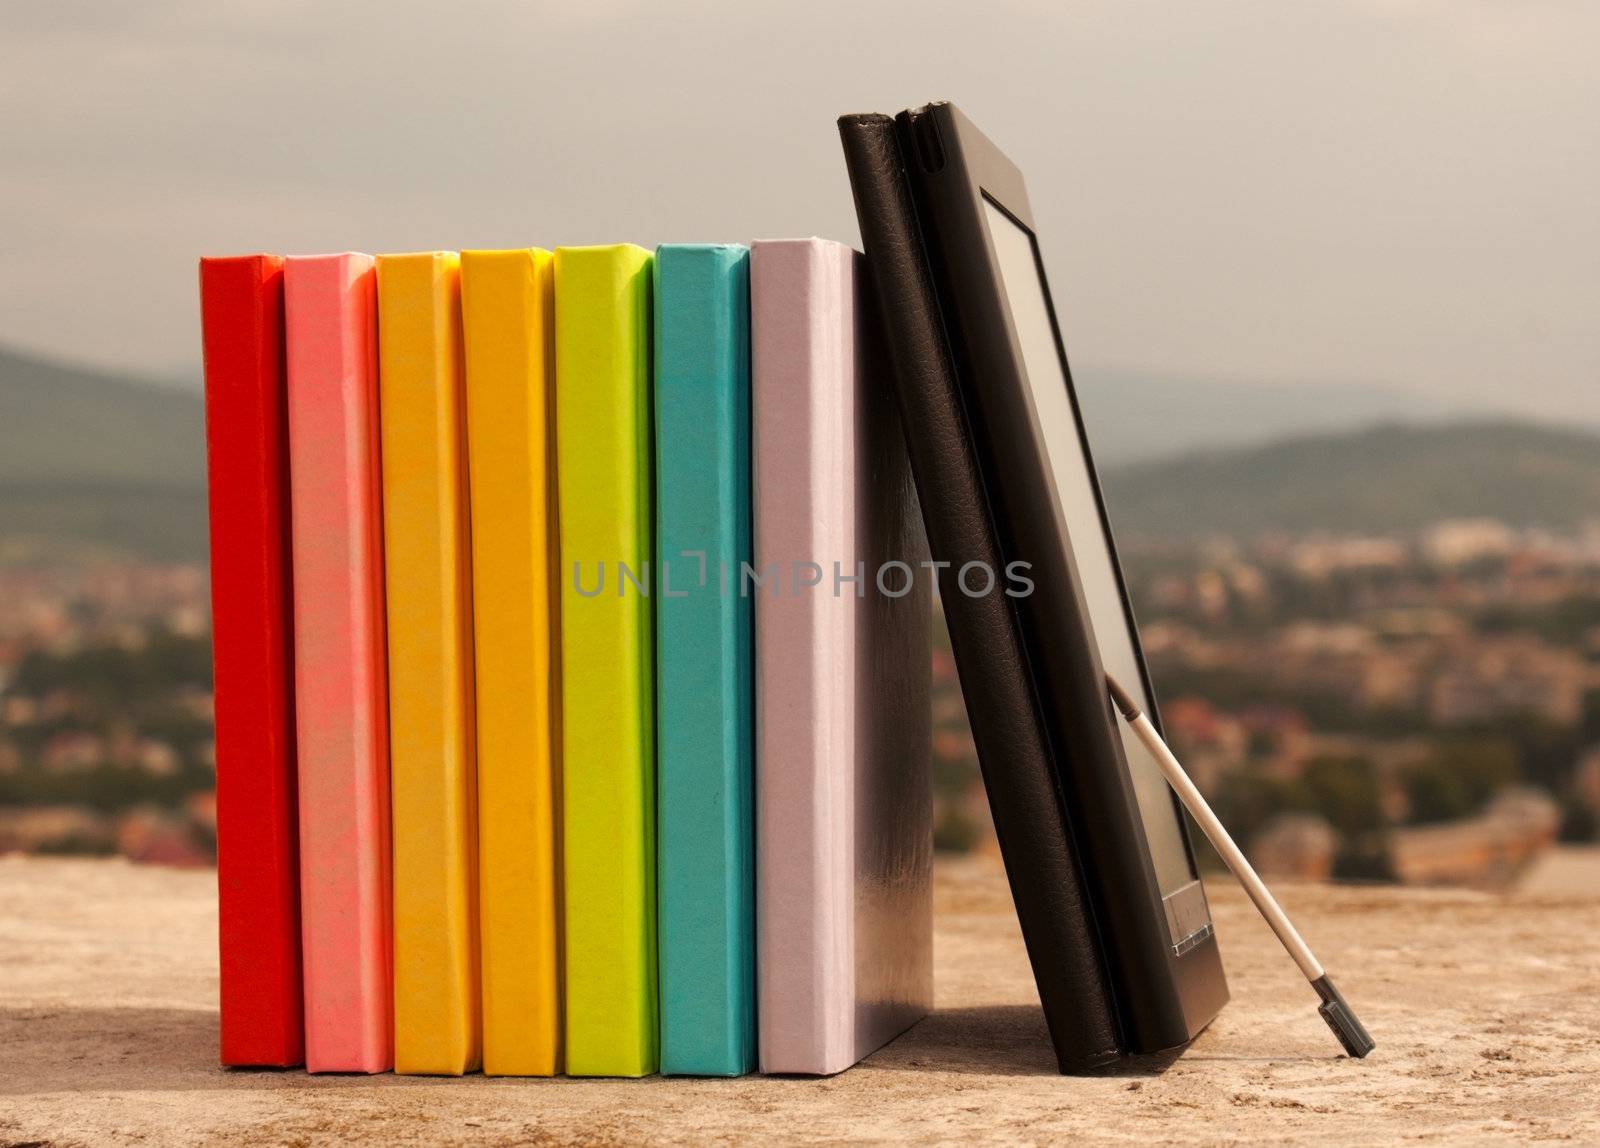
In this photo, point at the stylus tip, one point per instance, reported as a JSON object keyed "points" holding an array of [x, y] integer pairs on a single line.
{"points": [[1121, 699], [1342, 1019]]}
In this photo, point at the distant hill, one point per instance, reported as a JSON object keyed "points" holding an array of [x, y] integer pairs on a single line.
{"points": [[1383, 478], [1138, 417], [93, 459]]}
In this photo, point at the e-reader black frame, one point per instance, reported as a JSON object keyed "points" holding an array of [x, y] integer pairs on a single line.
{"points": [[1166, 993]]}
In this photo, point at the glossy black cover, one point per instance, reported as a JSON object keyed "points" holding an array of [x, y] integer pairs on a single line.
{"points": [[1030, 817], [1161, 999]]}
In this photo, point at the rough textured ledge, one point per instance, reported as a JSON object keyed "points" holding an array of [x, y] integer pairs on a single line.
{"points": [[1484, 1009]]}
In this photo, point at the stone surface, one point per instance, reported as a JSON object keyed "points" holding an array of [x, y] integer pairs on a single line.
{"points": [[1483, 1008]]}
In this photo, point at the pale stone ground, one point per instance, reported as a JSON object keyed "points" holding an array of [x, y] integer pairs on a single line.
{"points": [[1483, 1008]]}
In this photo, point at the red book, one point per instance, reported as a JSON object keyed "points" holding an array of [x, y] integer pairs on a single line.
{"points": [[241, 308]]}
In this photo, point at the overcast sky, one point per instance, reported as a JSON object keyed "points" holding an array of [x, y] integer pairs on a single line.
{"points": [[1394, 192]]}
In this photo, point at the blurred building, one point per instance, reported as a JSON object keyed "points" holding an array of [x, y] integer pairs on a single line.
{"points": [[1494, 679], [1459, 541], [1298, 846], [1489, 851]]}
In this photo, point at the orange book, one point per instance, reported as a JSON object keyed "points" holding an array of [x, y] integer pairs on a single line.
{"points": [[427, 557], [507, 306]]}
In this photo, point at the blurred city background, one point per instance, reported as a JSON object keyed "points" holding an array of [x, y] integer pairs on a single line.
{"points": [[1377, 649], [1338, 351]]}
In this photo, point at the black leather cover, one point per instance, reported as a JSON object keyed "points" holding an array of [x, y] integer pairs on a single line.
{"points": [[1030, 816]]}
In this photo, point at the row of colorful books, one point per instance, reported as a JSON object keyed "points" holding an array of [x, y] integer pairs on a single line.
{"points": [[572, 652]]}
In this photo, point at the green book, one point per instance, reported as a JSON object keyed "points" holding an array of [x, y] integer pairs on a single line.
{"points": [[607, 679]]}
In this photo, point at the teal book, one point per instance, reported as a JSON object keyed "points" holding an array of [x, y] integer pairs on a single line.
{"points": [[704, 682]]}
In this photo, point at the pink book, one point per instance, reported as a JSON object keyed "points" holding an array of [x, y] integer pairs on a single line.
{"points": [[330, 304], [844, 807]]}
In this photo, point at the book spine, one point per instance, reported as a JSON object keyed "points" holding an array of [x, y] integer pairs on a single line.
{"points": [[507, 304], [341, 690], [607, 678], [257, 860], [803, 426], [704, 699], [893, 791], [428, 591]]}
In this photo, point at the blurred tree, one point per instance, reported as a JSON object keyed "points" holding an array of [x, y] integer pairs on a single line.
{"points": [[1433, 793], [1347, 791], [1458, 778], [1246, 799], [1578, 821], [954, 831]]}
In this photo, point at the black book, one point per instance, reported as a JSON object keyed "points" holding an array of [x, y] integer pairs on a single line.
{"points": [[1101, 871]]}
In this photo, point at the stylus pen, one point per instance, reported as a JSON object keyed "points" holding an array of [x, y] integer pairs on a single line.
{"points": [[1334, 1009]]}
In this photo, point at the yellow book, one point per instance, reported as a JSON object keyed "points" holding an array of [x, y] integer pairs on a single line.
{"points": [[607, 681], [428, 586], [508, 316]]}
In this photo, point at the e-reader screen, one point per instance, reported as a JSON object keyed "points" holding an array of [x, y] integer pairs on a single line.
{"points": [[1091, 548]]}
